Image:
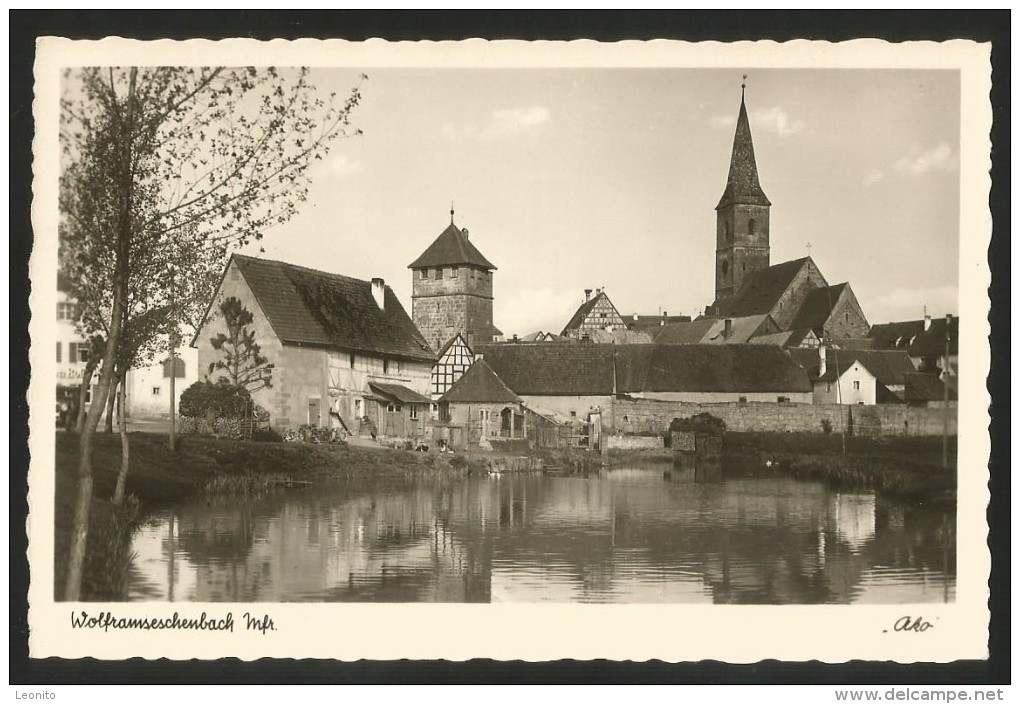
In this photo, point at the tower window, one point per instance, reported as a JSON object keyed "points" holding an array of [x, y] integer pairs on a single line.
{"points": [[750, 226], [423, 273], [729, 231], [725, 267]]}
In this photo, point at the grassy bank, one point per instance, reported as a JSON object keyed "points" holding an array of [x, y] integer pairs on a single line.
{"points": [[908, 467], [159, 478]]}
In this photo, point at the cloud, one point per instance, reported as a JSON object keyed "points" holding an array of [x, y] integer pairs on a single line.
{"points": [[344, 166], [528, 310], [500, 124], [938, 158], [872, 178], [775, 120]]}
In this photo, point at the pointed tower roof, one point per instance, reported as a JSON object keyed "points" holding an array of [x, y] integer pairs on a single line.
{"points": [[451, 247], [742, 183]]}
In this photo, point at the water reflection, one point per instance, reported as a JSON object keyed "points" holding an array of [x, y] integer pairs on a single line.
{"points": [[680, 534]]}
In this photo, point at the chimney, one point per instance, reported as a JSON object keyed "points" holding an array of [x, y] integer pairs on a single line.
{"points": [[822, 352], [635, 317], [515, 337], [587, 295], [464, 230], [727, 327], [379, 292], [927, 320]]}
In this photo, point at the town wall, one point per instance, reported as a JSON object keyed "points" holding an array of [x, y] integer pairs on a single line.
{"points": [[649, 416], [634, 442]]}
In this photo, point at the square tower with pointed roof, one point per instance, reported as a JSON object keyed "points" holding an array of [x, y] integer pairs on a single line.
{"points": [[451, 290]]}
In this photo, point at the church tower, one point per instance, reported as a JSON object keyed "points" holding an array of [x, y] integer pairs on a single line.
{"points": [[742, 216], [451, 291]]}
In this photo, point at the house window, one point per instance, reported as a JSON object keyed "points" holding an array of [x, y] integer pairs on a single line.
{"points": [[66, 311], [386, 366], [828, 387], [413, 412], [857, 386], [77, 352], [483, 415], [157, 390], [352, 361], [58, 353], [783, 399], [439, 273], [454, 272], [394, 408], [573, 414], [743, 399], [444, 413]]}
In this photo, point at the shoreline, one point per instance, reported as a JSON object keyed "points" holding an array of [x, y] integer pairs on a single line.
{"points": [[907, 468]]}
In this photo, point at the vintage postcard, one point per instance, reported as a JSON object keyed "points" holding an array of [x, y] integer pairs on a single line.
{"points": [[510, 350]]}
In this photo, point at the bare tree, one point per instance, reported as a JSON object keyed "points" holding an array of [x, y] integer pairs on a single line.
{"points": [[169, 167]]}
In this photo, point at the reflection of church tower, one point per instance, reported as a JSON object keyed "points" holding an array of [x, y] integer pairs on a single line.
{"points": [[451, 290], [742, 216]]}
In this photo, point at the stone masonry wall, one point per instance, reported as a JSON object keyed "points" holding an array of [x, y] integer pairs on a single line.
{"points": [[644, 416]]}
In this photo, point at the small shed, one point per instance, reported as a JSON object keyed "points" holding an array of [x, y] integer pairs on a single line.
{"points": [[479, 405]]}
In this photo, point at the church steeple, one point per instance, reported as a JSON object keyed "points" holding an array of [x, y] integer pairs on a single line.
{"points": [[742, 216], [742, 184]]}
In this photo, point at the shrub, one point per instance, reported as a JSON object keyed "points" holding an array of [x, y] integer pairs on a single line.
{"points": [[701, 423], [266, 435], [205, 399], [826, 426]]}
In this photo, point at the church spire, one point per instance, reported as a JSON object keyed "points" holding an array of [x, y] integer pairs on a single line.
{"points": [[742, 184]]}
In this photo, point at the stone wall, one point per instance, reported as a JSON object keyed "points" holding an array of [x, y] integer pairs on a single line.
{"points": [[647, 416], [634, 442]]}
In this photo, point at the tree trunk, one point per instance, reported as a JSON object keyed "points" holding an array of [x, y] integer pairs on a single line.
{"points": [[125, 447], [83, 390], [110, 402], [83, 500]]}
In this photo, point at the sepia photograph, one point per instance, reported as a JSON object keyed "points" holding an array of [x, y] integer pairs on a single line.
{"points": [[526, 332]]}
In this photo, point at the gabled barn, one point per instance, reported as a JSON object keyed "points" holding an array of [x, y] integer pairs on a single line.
{"points": [[345, 352]]}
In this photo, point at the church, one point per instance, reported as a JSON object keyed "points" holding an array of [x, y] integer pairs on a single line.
{"points": [[794, 294]]}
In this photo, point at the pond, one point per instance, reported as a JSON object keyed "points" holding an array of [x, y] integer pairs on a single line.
{"points": [[636, 534]]}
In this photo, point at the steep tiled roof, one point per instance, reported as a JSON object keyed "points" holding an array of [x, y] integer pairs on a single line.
{"points": [[398, 392], [817, 307], [589, 369], [921, 388], [651, 323], [762, 289], [687, 333], [910, 335], [742, 184], [741, 329], [318, 309], [888, 367], [722, 368], [787, 338], [451, 247], [479, 385]]}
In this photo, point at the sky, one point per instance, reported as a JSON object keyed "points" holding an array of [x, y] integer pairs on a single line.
{"points": [[586, 178]]}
